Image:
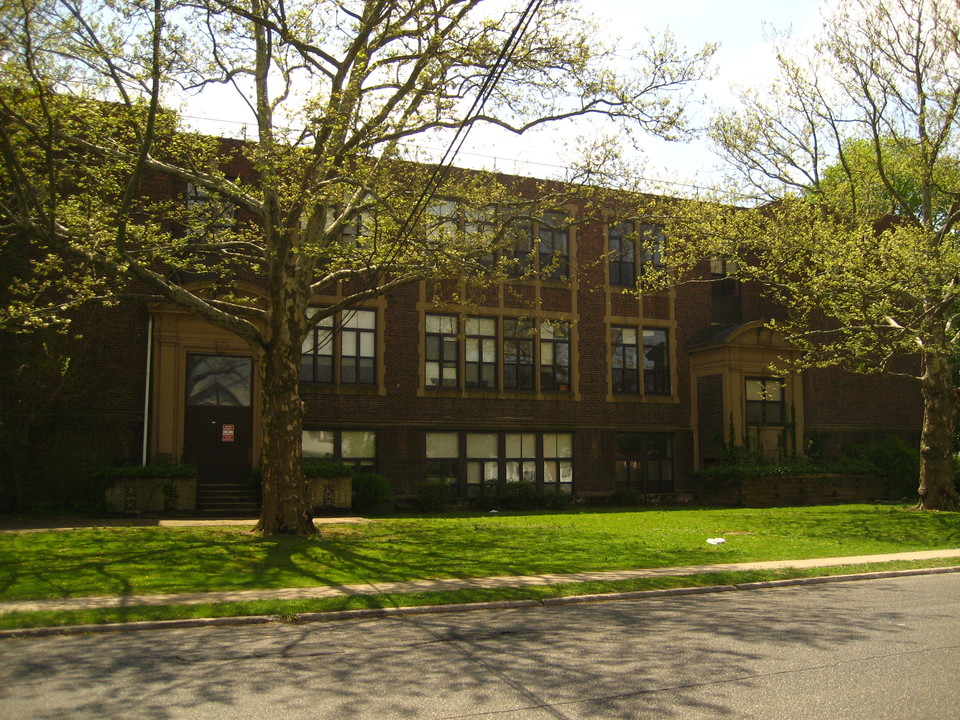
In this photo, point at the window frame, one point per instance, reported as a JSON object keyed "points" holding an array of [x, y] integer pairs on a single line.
{"points": [[635, 369], [522, 335], [622, 253], [335, 327], [474, 474], [651, 247], [637, 455], [441, 337], [556, 344], [361, 463], [656, 380], [763, 405], [224, 217], [479, 343], [624, 379]]}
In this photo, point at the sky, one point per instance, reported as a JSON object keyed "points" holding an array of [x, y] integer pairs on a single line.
{"points": [[741, 28]]}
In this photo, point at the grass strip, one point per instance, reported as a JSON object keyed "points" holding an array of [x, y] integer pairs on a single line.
{"points": [[290, 610], [160, 560]]}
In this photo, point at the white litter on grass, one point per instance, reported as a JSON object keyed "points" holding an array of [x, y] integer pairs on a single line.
{"points": [[716, 541]]}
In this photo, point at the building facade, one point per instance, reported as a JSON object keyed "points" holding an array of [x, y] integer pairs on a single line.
{"points": [[563, 376]]}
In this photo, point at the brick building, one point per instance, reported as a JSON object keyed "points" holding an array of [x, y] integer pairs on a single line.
{"points": [[567, 379]]}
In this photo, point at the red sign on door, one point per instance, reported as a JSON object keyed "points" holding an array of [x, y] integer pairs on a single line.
{"points": [[228, 433]]}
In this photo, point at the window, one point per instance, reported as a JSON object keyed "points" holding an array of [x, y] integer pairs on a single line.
{"points": [[552, 252], [626, 378], [625, 355], [518, 257], [443, 459], [656, 365], [517, 354], [623, 258], [480, 363], [443, 221], [356, 448], [554, 246], [219, 380], [341, 348], [725, 292], [208, 213], [626, 240], [554, 356], [764, 401], [442, 351], [483, 462], [558, 462], [645, 462], [520, 451], [533, 356], [653, 244], [472, 463]]}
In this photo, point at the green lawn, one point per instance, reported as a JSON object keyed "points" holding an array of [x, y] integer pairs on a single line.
{"points": [[120, 561]]}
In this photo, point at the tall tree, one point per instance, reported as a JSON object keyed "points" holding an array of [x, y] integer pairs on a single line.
{"points": [[853, 155], [83, 131]]}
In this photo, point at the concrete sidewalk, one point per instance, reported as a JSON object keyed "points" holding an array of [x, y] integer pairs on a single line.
{"points": [[449, 584]]}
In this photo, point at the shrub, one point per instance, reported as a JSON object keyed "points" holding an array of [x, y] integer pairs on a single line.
{"points": [[145, 471], [556, 500], [326, 469], [625, 497], [511, 496], [521, 495], [371, 493], [897, 460], [431, 495]]}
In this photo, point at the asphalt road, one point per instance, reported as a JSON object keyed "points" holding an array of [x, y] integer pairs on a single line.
{"points": [[869, 649]]}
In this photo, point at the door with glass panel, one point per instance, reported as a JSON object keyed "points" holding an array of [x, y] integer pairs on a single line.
{"points": [[218, 421]]}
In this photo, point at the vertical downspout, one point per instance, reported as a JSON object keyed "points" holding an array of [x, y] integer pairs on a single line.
{"points": [[146, 389]]}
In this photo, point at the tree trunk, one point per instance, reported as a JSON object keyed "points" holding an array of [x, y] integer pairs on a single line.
{"points": [[937, 490], [285, 508]]}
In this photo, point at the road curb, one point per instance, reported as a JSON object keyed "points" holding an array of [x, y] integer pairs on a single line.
{"points": [[373, 613]]}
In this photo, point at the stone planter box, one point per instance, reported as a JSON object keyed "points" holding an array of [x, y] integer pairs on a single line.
{"points": [[326, 493], [775, 490], [139, 495]]}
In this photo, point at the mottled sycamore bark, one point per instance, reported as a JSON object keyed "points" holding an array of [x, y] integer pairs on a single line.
{"points": [[285, 509], [937, 490]]}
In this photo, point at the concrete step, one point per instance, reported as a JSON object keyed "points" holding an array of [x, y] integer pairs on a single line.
{"points": [[235, 500]]}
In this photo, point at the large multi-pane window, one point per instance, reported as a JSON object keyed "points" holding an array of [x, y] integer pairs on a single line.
{"points": [[342, 349], [625, 373], [356, 448], [765, 401], [554, 356], [623, 256], [645, 462], [656, 362], [494, 354], [519, 255], [472, 463], [626, 345], [442, 351], [444, 459], [558, 462], [518, 355], [209, 213], [626, 242], [543, 245], [554, 246], [480, 358], [653, 246]]}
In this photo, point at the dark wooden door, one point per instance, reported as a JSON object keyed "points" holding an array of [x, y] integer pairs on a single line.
{"points": [[218, 423]]}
